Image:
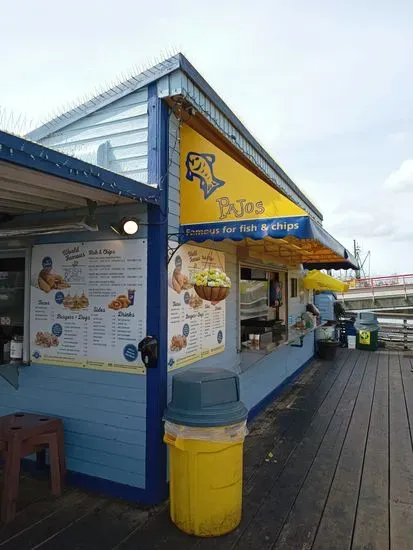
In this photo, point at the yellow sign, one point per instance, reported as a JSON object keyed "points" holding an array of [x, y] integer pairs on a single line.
{"points": [[93, 365], [216, 188], [364, 337]]}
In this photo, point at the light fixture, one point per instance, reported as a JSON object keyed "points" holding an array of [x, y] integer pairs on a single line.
{"points": [[127, 226]]}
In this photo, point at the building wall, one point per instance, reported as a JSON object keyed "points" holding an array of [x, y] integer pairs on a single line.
{"points": [[264, 375], [104, 413], [114, 137]]}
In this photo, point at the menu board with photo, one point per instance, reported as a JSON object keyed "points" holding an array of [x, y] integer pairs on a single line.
{"points": [[88, 304], [196, 327]]}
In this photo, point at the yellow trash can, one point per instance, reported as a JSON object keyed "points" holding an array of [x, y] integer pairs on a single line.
{"points": [[205, 456]]}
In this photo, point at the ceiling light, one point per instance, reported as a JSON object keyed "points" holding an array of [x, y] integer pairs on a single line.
{"points": [[127, 226], [130, 227]]}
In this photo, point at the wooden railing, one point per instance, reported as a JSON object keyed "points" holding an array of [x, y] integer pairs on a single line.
{"points": [[397, 332]]}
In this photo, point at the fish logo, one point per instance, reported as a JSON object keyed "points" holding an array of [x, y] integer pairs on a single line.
{"points": [[200, 165]]}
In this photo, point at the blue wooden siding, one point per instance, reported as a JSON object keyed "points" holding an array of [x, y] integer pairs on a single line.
{"points": [[266, 375], [103, 414], [115, 137]]}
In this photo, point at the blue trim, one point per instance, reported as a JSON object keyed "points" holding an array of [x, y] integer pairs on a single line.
{"points": [[258, 228], [156, 386], [20, 151], [256, 409], [91, 483], [300, 227]]}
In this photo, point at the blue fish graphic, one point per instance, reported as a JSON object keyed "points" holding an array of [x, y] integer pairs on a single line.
{"points": [[200, 165]]}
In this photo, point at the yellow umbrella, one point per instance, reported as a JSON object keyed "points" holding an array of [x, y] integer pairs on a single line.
{"points": [[317, 280]]}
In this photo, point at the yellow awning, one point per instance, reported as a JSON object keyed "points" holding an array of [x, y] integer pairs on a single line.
{"points": [[316, 280], [220, 199]]}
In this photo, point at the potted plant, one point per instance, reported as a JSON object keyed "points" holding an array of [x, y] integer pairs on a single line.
{"points": [[327, 344], [327, 349], [211, 284]]}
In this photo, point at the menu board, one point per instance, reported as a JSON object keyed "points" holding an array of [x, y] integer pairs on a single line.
{"points": [[196, 327], [88, 305]]}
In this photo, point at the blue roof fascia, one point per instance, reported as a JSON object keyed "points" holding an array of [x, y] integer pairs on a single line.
{"points": [[22, 152]]}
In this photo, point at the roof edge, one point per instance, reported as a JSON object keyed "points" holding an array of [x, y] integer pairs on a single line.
{"points": [[105, 98], [22, 152], [194, 75], [178, 61]]}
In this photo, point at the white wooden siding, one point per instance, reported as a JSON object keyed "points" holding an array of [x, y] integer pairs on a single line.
{"points": [[114, 137], [173, 174]]}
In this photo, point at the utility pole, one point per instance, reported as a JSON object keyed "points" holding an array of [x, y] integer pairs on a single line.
{"points": [[357, 256], [361, 271]]}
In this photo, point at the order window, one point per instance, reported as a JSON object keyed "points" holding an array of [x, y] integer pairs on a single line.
{"points": [[263, 309], [293, 287]]}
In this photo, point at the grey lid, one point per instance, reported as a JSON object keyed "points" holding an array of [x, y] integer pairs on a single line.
{"points": [[366, 320], [367, 317], [205, 397]]}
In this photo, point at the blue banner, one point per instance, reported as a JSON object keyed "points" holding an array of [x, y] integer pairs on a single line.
{"points": [[294, 226]]}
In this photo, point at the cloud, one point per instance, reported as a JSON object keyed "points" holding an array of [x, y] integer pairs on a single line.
{"points": [[401, 179], [365, 225], [397, 138]]}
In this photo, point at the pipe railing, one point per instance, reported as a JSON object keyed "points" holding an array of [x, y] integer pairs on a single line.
{"points": [[388, 280]]}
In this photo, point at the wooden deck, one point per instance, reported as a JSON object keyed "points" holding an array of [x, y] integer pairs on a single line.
{"points": [[329, 465]]}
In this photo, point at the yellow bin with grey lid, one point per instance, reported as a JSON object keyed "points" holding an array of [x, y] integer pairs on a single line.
{"points": [[205, 428]]}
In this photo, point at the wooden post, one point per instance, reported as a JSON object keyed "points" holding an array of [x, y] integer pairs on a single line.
{"points": [[405, 347]]}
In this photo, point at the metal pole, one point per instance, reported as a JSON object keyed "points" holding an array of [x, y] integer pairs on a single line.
{"points": [[405, 334]]}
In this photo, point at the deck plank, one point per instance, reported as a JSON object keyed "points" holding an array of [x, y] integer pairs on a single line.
{"points": [[76, 505], [406, 365], [34, 507], [270, 468], [372, 519], [101, 529], [266, 431], [336, 526], [266, 525], [301, 525], [333, 450], [277, 418], [401, 462]]}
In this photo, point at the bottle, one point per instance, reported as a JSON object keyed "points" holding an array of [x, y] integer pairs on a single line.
{"points": [[16, 349], [6, 351]]}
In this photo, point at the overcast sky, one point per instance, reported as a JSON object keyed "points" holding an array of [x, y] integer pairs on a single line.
{"points": [[326, 87]]}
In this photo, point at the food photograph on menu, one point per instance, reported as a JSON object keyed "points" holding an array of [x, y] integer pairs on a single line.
{"points": [[89, 305], [197, 289]]}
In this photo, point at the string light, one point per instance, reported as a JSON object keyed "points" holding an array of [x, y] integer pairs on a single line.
{"points": [[44, 157]]}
